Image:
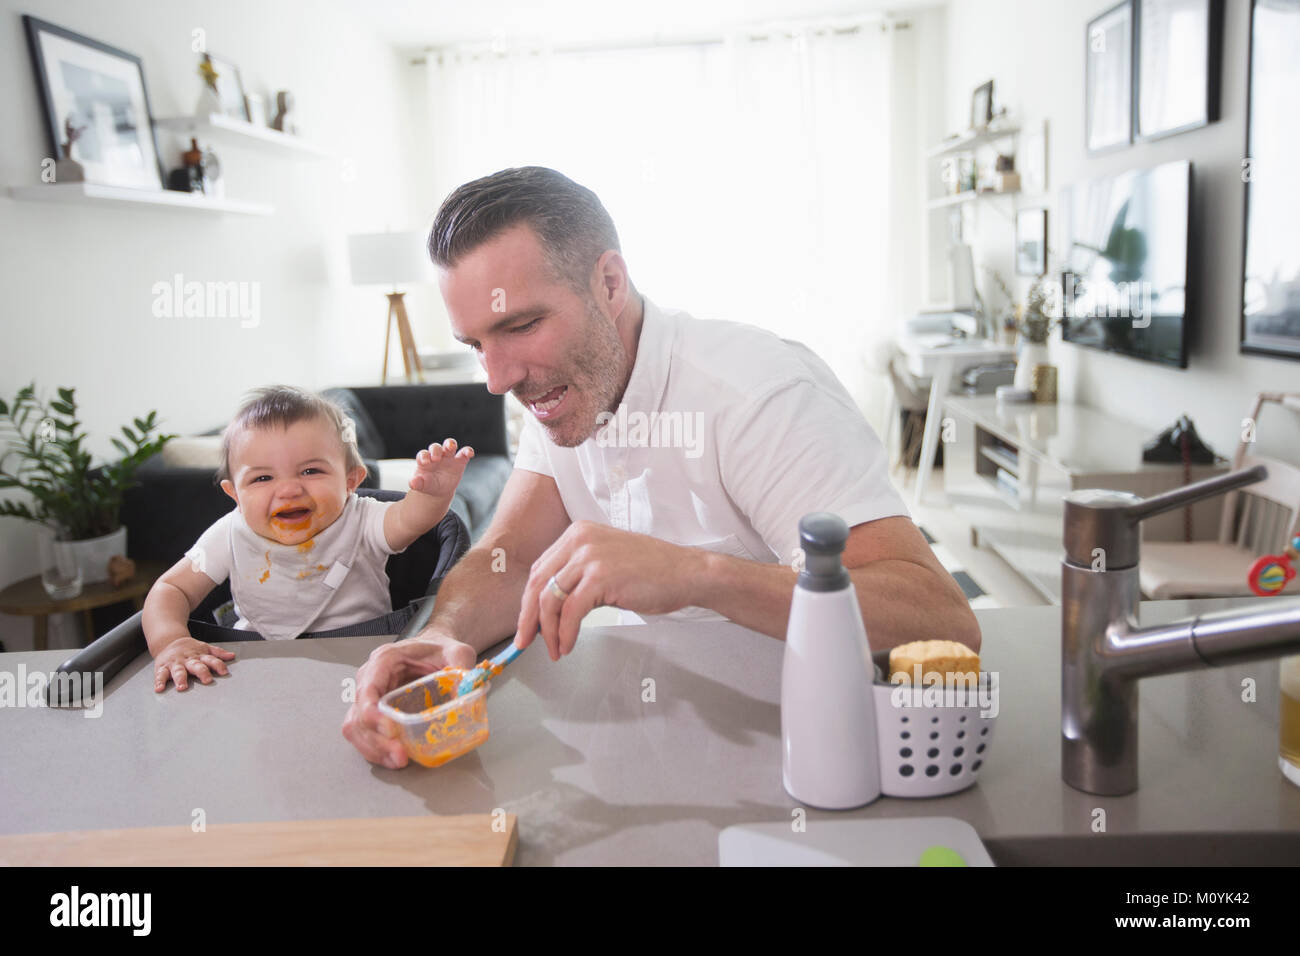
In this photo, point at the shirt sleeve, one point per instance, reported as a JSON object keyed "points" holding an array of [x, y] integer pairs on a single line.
{"points": [[211, 554], [372, 512], [531, 454], [799, 449]]}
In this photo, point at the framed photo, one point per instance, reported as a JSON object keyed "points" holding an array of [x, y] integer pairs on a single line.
{"points": [[1108, 80], [94, 99], [1270, 318], [230, 89], [1179, 56], [1031, 242], [981, 106]]}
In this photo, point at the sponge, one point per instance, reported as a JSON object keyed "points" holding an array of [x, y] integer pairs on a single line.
{"points": [[924, 657]]}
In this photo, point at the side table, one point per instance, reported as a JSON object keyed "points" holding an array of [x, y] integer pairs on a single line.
{"points": [[28, 598]]}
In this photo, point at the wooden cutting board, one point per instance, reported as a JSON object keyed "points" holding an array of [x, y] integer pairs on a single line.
{"points": [[467, 840]]}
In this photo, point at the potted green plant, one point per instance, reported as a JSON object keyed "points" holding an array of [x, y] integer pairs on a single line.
{"points": [[1034, 321], [79, 503]]}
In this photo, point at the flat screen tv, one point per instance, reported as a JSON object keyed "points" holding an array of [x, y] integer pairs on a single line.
{"points": [[1124, 283]]}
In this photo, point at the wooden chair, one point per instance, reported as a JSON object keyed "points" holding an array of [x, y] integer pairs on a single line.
{"points": [[1257, 520]]}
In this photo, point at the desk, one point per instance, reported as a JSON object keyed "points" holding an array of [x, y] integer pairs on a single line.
{"points": [[28, 597], [600, 774], [938, 362]]}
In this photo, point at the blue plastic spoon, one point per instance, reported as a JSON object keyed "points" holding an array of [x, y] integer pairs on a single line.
{"points": [[488, 669]]}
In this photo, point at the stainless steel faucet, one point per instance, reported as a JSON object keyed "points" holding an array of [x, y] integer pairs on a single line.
{"points": [[1103, 651]]}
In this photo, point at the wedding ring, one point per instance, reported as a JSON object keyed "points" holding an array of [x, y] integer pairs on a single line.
{"points": [[555, 588]]}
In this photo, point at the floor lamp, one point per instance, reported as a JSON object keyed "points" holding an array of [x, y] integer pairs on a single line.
{"points": [[390, 258]]}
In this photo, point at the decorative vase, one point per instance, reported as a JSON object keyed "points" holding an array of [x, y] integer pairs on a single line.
{"points": [[1031, 354], [92, 554]]}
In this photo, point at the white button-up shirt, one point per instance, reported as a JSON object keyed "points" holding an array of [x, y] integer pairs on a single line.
{"points": [[726, 436]]}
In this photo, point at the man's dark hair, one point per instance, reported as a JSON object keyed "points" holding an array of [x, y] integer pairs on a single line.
{"points": [[279, 406], [569, 220]]}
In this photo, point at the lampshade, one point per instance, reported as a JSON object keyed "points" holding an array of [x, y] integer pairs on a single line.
{"points": [[387, 258]]}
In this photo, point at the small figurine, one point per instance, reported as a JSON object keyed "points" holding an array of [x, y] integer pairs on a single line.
{"points": [[1269, 575], [283, 104], [120, 570]]}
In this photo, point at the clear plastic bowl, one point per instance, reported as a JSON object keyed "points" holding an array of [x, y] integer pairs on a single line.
{"points": [[436, 725]]}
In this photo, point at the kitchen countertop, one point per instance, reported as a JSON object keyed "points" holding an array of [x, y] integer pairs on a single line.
{"points": [[600, 774]]}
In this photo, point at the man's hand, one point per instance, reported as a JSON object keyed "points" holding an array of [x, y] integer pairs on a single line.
{"points": [[389, 667], [185, 656], [601, 566]]}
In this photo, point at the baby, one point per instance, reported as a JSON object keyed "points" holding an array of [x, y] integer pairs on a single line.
{"points": [[302, 550]]}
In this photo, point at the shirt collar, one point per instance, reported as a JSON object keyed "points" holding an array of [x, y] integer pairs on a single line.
{"points": [[654, 353]]}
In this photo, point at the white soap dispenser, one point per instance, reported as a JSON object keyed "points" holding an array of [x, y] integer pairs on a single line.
{"points": [[828, 720]]}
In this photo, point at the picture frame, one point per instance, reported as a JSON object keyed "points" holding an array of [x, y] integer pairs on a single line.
{"points": [[1177, 63], [981, 106], [95, 96], [1108, 80], [1031, 242], [230, 88], [1270, 293]]}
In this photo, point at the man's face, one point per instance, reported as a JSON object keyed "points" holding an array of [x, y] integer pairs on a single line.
{"points": [[557, 351], [290, 483]]}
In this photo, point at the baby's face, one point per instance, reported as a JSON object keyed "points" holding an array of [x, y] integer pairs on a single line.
{"points": [[290, 483]]}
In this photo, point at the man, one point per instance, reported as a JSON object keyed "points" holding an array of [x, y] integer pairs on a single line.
{"points": [[665, 465]]}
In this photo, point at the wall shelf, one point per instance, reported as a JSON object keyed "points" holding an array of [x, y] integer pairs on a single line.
{"points": [[240, 133], [970, 140], [967, 195], [96, 194]]}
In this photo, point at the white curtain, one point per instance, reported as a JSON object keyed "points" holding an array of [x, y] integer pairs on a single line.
{"points": [[748, 178]]}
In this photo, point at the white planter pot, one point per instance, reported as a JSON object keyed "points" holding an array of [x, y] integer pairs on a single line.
{"points": [[92, 554], [1031, 354]]}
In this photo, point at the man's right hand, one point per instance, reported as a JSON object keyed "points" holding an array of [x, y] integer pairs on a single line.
{"points": [[389, 667]]}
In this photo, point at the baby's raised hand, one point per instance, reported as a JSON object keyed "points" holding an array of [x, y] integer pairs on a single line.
{"points": [[185, 656], [438, 469]]}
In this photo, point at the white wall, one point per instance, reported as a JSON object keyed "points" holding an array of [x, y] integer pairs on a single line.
{"points": [[76, 281], [1034, 51]]}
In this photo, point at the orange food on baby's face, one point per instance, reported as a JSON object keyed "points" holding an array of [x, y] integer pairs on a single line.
{"points": [[290, 482]]}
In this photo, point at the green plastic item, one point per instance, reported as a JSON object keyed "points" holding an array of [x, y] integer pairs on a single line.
{"points": [[940, 856]]}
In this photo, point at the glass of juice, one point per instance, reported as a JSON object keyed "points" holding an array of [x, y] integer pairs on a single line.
{"points": [[436, 725]]}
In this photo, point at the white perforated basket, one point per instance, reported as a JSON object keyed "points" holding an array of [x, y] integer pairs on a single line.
{"points": [[933, 741]]}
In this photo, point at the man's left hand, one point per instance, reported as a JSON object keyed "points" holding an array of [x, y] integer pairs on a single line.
{"points": [[597, 566]]}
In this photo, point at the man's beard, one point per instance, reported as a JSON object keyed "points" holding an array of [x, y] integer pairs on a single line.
{"points": [[597, 379]]}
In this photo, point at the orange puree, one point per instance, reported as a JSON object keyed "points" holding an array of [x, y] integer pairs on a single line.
{"points": [[451, 732]]}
